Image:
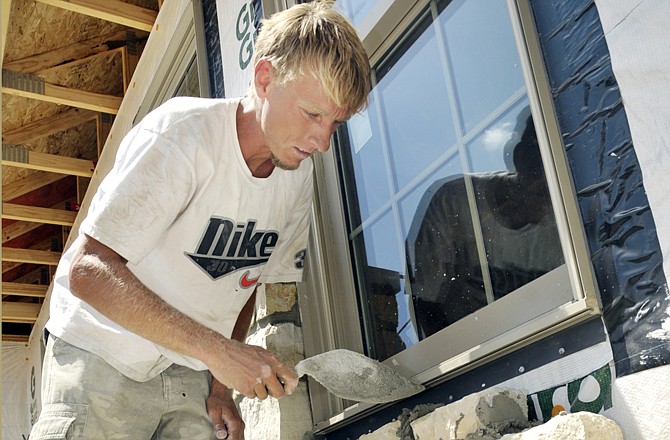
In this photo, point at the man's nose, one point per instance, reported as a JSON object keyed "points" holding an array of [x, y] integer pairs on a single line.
{"points": [[320, 137]]}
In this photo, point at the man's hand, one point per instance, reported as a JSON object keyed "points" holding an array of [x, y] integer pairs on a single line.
{"points": [[228, 423], [252, 370]]}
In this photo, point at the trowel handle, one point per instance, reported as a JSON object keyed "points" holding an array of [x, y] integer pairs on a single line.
{"points": [[300, 369]]}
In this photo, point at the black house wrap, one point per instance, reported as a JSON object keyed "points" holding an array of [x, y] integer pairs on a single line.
{"points": [[619, 224]]}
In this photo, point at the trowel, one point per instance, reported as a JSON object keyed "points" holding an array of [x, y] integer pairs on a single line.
{"points": [[353, 376]]}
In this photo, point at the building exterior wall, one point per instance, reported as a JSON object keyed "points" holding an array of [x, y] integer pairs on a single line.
{"points": [[626, 352]]}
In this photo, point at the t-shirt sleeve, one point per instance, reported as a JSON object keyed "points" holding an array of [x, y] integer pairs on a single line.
{"points": [[288, 258], [150, 185]]}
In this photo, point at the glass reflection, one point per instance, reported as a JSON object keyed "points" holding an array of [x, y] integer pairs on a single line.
{"points": [[448, 204], [518, 233], [482, 56], [413, 89], [384, 306], [368, 179]]}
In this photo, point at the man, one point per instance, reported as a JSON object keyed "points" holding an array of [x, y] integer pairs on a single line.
{"points": [[206, 199], [517, 227]]}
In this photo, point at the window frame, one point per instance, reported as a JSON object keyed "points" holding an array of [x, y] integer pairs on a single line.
{"points": [[329, 281]]}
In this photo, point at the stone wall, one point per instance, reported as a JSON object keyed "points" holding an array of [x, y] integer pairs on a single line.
{"points": [[493, 414], [277, 328]]}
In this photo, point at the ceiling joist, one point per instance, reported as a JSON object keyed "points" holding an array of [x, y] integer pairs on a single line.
{"points": [[66, 96], [35, 214], [30, 256], [84, 61], [52, 163], [77, 51], [25, 313], [37, 276], [17, 229], [69, 118], [34, 181], [115, 11], [23, 289], [44, 246]]}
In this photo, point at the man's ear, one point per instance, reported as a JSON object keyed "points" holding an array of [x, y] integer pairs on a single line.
{"points": [[262, 77]]}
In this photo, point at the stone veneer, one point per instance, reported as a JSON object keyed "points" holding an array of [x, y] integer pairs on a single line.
{"points": [[277, 329], [495, 414]]}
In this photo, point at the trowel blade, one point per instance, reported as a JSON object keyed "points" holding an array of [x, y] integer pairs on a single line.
{"points": [[353, 376]]}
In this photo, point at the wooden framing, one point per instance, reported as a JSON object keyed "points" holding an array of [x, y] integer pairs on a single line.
{"points": [[77, 51], [72, 64], [28, 184], [115, 11], [23, 304], [103, 124], [36, 276], [23, 289], [69, 118], [129, 60], [55, 164], [30, 256], [44, 246], [50, 216], [20, 312], [17, 229], [75, 98], [6, 7], [15, 338]]}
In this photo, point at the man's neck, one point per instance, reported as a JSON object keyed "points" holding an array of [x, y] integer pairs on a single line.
{"points": [[250, 136]]}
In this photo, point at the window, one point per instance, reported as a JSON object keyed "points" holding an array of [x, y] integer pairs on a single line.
{"points": [[455, 203], [443, 221]]}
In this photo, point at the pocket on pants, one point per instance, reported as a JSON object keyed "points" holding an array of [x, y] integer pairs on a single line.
{"points": [[66, 422]]}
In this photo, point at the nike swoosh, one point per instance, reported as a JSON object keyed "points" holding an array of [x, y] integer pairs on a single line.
{"points": [[245, 282]]}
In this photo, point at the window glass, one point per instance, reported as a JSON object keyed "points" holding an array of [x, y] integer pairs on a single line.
{"points": [[190, 83], [368, 179], [413, 89], [482, 56], [411, 204], [447, 198], [356, 10], [383, 302]]}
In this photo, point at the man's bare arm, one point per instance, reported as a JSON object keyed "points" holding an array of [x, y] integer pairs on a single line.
{"points": [[99, 276], [221, 407]]}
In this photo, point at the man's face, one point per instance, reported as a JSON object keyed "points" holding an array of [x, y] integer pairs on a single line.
{"points": [[297, 119]]}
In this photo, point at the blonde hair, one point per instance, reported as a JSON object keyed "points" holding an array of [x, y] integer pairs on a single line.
{"points": [[312, 38]]}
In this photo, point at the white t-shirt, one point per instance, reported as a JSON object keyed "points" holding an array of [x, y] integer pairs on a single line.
{"points": [[196, 227]]}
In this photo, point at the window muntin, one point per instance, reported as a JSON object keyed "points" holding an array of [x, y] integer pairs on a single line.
{"points": [[449, 101]]}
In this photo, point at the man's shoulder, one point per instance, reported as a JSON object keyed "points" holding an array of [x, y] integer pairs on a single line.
{"points": [[179, 110]]}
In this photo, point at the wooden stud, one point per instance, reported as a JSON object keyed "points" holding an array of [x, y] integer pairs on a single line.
{"points": [[104, 127], [54, 164], [115, 11], [17, 229], [18, 312], [77, 51], [29, 183], [46, 126], [72, 97], [30, 256], [38, 215], [6, 8], [23, 289]]}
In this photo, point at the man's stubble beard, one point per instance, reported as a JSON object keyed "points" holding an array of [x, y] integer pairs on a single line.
{"points": [[282, 165]]}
